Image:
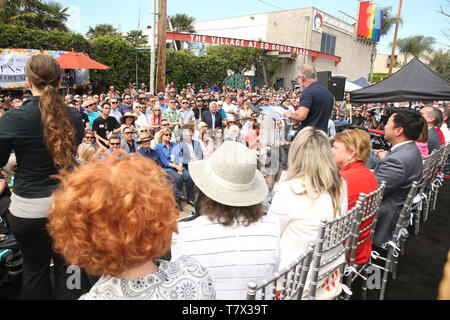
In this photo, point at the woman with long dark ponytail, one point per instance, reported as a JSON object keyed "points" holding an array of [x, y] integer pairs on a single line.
{"points": [[44, 134]]}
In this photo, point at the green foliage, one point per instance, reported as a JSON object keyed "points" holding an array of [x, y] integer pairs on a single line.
{"points": [[101, 30], [24, 38], [136, 38], [377, 77], [181, 23], [34, 14], [415, 45], [183, 67], [120, 56], [441, 63], [238, 59]]}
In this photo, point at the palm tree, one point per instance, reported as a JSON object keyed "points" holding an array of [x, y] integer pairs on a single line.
{"points": [[136, 37], [415, 46], [181, 23], [441, 63], [34, 14], [386, 25], [101, 30], [55, 16]]}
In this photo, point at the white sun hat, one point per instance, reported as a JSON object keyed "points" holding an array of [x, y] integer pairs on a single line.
{"points": [[230, 176]]}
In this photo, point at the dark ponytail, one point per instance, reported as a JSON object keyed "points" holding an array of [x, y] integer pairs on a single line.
{"points": [[44, 73]]}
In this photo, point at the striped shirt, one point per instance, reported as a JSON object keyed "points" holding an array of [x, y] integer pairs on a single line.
{"points": [[232, 255]]}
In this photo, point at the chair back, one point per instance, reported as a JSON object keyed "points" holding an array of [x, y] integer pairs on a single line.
{"points": [[335, 240], [287, 283], [370, 207], [403, 218]]}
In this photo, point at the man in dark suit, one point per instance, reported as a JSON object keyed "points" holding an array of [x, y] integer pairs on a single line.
{"points": [[212, 117], [199, 109], [399, 168]]}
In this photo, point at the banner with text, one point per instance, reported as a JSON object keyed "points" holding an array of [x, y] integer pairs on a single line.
{"points": [[251, 44], [13, 67]]}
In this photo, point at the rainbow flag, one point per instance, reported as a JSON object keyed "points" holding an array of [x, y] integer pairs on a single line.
{"points": [[369, 21]]}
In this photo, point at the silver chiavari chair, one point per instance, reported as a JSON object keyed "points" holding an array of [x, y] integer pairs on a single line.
{"points": [[432, 184], [392, 247], [335, 240], [366, 221], [439, 179], [287, 283]]}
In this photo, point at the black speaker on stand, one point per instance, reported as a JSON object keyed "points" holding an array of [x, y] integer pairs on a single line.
{"points": [[337, 87]]}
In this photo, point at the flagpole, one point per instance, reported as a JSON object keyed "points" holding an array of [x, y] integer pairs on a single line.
{"points": [[395, 38]]}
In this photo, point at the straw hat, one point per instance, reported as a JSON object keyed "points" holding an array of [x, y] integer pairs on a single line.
{"points": [[230, 176], [88, 102], [144, 137], [128, 114]]}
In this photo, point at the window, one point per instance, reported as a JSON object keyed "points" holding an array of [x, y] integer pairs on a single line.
{"points": [[328, 43]]}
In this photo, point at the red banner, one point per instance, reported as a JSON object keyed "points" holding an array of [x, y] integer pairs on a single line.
{"points": [[251, 44]]}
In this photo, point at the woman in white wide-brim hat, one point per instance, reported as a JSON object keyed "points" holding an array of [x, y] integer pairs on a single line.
{"points": [[232, 238]]}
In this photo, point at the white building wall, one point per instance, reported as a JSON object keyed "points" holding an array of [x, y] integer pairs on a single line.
{"points": [[252, 27]]}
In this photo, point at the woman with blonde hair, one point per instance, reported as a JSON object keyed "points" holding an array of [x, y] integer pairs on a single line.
{"points": [[44, 134], [351, 150], [206, 142], [121, 229], [313, 190]]}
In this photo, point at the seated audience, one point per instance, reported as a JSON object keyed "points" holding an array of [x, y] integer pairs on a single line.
{"points": [[351, 150], [181, 175], [313, 190], [124, 246], [232, 238]]}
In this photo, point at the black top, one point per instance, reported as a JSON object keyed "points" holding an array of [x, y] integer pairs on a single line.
{"points": [[319, 101], [21, 130], [104, 126]]}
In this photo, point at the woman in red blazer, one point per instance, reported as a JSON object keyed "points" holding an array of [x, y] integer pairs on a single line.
{"points": [[351, 150]]}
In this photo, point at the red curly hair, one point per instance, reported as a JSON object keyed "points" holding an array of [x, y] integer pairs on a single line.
{"points": [[113, 214]]}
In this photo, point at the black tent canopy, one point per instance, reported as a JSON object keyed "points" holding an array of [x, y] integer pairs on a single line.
{"points": [[414, 82]]}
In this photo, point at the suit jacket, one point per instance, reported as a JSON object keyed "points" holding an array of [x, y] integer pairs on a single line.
{"points": [[206, 115], [433, 140], [182, 154], [125, 146], [198, 111], [399, 169]]}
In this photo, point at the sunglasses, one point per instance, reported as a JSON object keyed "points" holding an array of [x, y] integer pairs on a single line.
{"points": [[114, 143], [131, 132], [90, 105], [185, 102], [142, 131], [165, 125], [89, 137], [114, 102], [166, 135]]}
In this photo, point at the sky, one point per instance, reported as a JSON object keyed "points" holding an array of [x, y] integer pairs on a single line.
{"points": [[419, 17]]}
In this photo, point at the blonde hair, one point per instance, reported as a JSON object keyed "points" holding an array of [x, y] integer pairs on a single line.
{"points": [[355, 140], [311, 160], [87, 153], [44, 73], [162, 132]]}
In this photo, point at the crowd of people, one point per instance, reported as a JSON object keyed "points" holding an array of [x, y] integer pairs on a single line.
{"points": [[121, 164]]}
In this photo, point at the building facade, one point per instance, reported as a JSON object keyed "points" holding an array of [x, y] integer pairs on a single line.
{"points": [[306, 28]]}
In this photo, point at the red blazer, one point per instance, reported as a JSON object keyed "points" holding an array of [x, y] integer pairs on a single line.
{"points": [[359, 179]]}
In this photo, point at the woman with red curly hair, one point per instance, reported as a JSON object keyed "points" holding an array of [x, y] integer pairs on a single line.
{"points": [[121, 228]]}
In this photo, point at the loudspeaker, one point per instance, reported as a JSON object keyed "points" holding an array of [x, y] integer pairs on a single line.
{"points": [[324, 78], [337, 87]]}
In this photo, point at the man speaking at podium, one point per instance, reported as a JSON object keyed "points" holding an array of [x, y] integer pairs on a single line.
{"points": [[316, 101]]}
